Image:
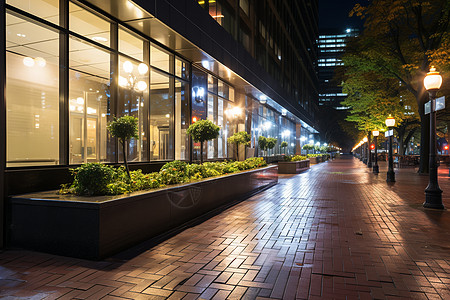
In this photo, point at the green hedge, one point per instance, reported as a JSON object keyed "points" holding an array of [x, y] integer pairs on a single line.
{"points": [[94, 179]]}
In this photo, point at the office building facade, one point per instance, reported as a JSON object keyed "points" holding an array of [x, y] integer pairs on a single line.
{"points": [[331, 44], [73, 66]]}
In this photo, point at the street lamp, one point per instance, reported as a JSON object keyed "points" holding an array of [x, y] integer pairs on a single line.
{"points": [[390, 122], [365, 149], [375, 168], [433, 194]]}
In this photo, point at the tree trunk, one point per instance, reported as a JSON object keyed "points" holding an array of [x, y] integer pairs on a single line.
{"points": [[201, 152], [424, 165], [237, 152], [124, 151]]}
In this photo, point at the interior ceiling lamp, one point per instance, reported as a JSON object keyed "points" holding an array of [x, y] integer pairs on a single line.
{"points": [[132, 81], [30, 62]]}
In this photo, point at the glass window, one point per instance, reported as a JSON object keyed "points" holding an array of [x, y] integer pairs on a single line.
{"points": [[131, 45], [181, 120], [32, 93], [161, 117], [181, 69], [244, 6], [160, 59], [212, 148], [45, 9], [89, 104], [212, 84], [223, 89], [88, 24], [133, 101]]}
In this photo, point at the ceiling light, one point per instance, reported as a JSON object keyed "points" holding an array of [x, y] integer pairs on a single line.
{"points": [[28, 61], [142, 68], [100, 39], [41, 62]]}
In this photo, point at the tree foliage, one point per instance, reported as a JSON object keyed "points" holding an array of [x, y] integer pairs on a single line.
{"points": [[124, 128], [201, 131], [240, 138], [400, 40]]}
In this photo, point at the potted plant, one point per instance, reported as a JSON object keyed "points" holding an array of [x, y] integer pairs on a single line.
{"points": [[240, 138], [201, 131], [124, 128]]}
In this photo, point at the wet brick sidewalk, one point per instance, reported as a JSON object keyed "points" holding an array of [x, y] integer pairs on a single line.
{"points": [[334, 232]]}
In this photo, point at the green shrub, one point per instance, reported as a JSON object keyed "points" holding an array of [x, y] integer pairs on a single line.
{"points": [[299, 158], [92, 179], [174, 172]]}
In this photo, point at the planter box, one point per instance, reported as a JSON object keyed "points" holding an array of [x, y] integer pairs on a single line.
{"points": [[97, 227], [315, 160], [293, 167]]}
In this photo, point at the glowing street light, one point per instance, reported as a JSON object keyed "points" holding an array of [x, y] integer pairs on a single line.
{"points": [[433, 194], [390, 122], [375, 168]]}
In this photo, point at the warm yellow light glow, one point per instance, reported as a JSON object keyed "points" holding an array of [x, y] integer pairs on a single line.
{"points": [[218, 16], [128, 66], [28, 61], [41, 62], [142, 68], [123, 82], [167, 115], [376, 133], [433, 80], [141, 86], [365, 139], [390, 121], [80, 100]]}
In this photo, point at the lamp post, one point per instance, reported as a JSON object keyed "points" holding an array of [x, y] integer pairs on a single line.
{"points": [[390, 122], [375, 168], [369, 153], [365, 149], [433, 194]]}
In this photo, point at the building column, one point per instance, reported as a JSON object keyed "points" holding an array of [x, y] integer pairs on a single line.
{"points": [[298, 146], [2, 121]]}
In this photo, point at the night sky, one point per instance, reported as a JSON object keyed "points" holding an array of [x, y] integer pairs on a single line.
{"points": [[334, 14]]}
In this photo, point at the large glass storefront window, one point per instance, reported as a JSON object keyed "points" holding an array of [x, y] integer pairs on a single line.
{"points": [[45, 9], [219, 100], [161, 116], [89, 25], [32, 93], [133, 101], [89, 104], [181, 120]]}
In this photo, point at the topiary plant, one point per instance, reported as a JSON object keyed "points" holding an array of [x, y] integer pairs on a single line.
{"points": [[271, 142], [284, 144], [239, 138], [124, 128], [201, 131]]}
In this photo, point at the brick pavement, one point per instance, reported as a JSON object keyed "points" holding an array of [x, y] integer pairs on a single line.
{"points": [[334, 232]]}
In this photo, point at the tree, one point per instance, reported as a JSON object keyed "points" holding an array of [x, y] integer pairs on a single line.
{"points": [[399, 41], [308, 147], [284, 144], [201, 131], [240, 138], [262, 143], [271, 142], [124, 128]]}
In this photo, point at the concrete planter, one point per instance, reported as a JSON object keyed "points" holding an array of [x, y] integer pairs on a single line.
{"points": [[293, 167], [97, 227]]}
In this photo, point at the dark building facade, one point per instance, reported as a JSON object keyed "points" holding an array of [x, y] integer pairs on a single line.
{"points": [[70, 67], [331, 46]]}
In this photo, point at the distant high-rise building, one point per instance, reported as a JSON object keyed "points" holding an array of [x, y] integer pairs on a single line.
{"points": [[332, 43]]}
